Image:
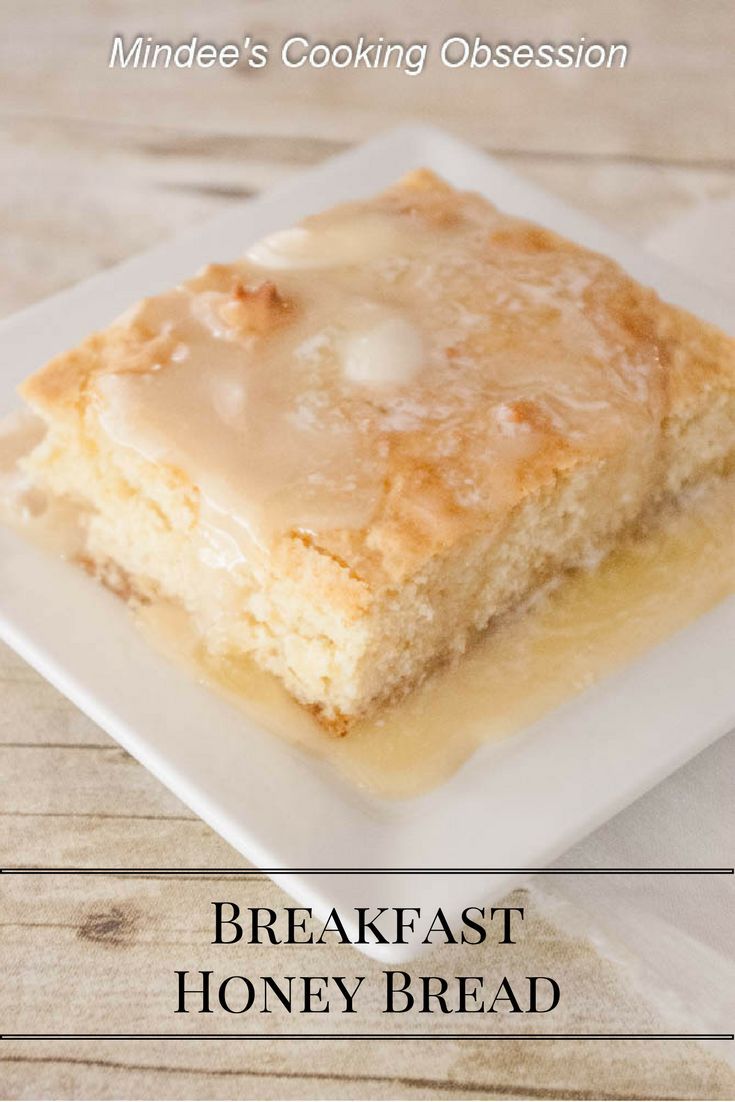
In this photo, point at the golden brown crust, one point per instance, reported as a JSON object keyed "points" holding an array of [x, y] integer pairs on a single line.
{"points": [[696, 355], [417, 517], [56, 390]]}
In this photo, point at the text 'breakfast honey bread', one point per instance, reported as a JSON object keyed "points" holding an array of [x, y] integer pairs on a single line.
{"points": [[350, 451]]}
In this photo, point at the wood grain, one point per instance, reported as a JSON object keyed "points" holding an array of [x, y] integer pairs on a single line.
{"points": [[130, 934], [98, 165]]}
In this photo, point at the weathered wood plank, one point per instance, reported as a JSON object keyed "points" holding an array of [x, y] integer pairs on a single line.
{"points": [[76, 840], [89, 933], [113, 951], [680, 60], [99, 165]]}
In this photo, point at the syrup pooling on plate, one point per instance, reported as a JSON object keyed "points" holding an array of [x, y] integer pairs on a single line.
{"points": [[290, 387], [590, 624]]}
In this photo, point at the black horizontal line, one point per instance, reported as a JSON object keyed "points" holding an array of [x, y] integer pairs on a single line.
{"points": [[661, 871], [366, 1036]]}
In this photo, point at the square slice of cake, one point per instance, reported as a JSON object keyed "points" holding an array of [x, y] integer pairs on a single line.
{"points": [[351, 451]]}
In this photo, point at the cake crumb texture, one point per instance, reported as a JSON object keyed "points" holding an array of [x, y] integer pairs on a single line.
{"points": [[351, 451]]}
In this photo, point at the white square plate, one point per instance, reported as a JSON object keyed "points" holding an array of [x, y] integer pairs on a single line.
{"points": [[518, 803]]}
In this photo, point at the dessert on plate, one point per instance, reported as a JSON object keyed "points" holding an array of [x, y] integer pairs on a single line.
{"points": [[351, 451]]}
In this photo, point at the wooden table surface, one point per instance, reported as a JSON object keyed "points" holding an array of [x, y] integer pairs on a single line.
{"points": [[99, 164]]}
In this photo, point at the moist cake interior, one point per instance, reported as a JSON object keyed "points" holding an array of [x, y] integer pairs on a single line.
{"points": [[351, 451]]}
